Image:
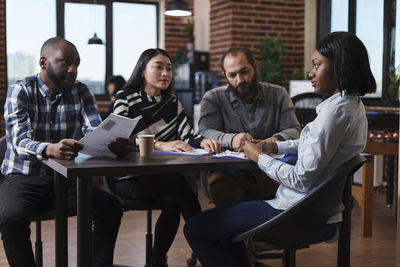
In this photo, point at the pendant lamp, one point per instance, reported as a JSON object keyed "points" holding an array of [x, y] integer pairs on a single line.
{"points": [[178, 8]]}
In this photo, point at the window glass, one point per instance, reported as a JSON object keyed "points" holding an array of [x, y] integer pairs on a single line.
{"points": [[81, 22], [369, 28], [27, 30], [134, 30], [339, 15]]}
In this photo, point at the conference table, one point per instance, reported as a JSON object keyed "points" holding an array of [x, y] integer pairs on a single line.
{"points": [[84, 168]]}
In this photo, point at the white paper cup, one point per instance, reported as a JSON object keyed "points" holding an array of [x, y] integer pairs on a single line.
{"points": [[146, 142]]}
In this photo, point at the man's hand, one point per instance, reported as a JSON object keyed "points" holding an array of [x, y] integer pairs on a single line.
{"points": [[272, 139], [122, 147], [65, 149], [173, 146], [239, 139], [211, 145]]}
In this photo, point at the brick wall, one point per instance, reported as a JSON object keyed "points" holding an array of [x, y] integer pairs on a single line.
{"points": [[175, 34], [245, 22]]}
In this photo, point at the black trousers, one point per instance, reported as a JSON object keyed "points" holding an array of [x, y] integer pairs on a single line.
{"points": [[22, 196]]}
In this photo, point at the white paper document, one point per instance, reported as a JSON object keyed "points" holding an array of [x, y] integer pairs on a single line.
{"points": [[240, 155], [114, 126]]}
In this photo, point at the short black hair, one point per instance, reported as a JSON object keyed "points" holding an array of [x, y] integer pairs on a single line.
{"points": [[234, 51], [119, 82], [350, 62], [53, 43]]}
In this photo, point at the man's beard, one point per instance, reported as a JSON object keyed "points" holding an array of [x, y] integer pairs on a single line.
{"points": [[57, 80], [245, 90]]}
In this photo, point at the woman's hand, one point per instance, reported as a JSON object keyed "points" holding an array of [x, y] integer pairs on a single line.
{"points": [[173, 146], [211, 145], [122, 147], [252, 150], [269, 147], [239, 139]]}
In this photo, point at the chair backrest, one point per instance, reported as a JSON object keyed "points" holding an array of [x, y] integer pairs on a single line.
{"points": [[307, 100], [305, 107], [129, 204], [304, 222]]}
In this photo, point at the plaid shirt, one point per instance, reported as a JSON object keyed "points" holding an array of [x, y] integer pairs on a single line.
{"points": [[35, 117]]}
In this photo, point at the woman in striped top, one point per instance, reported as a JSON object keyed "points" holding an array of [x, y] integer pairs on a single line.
{"points": [[147, 96]]}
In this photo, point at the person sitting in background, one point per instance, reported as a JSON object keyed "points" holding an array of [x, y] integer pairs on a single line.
{"points": [[341, 72], [147, 96], [114, 84], [42, 113]]}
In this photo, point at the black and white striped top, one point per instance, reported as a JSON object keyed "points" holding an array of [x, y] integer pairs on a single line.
{"points": [[162, 115]]}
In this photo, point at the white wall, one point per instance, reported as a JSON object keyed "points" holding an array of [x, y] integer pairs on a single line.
{"points": [[202, 25]]}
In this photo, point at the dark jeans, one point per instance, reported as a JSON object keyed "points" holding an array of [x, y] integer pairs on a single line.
{"points": [[23, 196], [209, 233]]}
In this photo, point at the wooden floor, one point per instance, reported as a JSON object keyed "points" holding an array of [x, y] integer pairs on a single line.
{"points": [[367, 252]]}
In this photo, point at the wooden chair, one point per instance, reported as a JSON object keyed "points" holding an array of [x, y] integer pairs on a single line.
{"points": [[304, 223]]}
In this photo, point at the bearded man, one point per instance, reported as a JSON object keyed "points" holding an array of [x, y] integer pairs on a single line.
{"points": [[244, 109]]}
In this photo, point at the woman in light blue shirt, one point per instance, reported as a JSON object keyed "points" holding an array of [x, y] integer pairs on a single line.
{"points": [[341, 72]]}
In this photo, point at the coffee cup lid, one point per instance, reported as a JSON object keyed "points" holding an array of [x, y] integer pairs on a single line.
{"points": [[146, 135]]}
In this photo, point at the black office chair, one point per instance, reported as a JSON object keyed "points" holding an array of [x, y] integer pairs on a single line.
{"points": [[305, 107], [305, 223]]}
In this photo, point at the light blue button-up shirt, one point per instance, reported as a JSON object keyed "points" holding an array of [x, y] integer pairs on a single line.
{"points": [[338, 134]]}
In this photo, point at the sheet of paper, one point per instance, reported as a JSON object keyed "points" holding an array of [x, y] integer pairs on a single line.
{"points": [[114, 126], [194, 152], [240, 155]]}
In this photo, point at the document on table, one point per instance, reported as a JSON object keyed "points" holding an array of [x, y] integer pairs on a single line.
{"points": [[194, 152], [240, 155], [114, 126]]}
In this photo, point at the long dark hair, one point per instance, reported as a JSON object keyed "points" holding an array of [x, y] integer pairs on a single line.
{"points": [[350, 62], [136, 80]]}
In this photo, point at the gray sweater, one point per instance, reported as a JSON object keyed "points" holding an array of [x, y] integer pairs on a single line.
{"points": [[223, 114]]}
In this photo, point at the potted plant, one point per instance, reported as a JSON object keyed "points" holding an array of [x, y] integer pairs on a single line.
{"points": [[270, 59], [394, 84]]}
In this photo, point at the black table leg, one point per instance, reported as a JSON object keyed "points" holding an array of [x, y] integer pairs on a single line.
{"points": [[61, 225], [84, 231]]}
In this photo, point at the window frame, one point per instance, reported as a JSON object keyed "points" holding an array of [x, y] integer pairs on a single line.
{"points": [[60, 28], [324, 27]]}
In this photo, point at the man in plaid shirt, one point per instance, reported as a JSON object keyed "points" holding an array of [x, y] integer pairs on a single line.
{"points": [[42, 113]]}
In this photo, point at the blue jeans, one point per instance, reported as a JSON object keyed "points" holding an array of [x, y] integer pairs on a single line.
{"points": [[209, 233]]}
